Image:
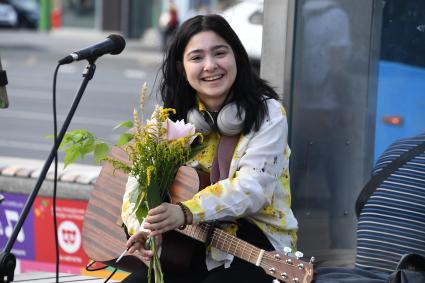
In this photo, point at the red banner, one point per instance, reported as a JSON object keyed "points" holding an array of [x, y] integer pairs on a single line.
{"points": [[69, 215]]}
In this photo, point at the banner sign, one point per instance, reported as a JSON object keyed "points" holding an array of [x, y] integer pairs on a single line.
{"points": [[69, 215], [10, 210]]}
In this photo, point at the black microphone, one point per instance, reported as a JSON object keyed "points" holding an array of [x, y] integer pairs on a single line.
{"points": [[4, 102], [113, 44]]}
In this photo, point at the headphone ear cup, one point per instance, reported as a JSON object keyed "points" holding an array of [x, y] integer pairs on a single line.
{"points": [[228, 122], [196, 118]]}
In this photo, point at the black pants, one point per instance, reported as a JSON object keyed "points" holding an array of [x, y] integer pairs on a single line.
{"points": [[239, 271]]}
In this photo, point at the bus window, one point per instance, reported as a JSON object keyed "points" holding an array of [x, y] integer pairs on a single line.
{"points": [[401, 81]]}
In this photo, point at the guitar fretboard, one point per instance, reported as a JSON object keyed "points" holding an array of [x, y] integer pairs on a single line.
{"points": [[223, 241]]}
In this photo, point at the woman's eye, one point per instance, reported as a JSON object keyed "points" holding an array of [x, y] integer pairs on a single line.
{"points": [[195, 58], [220, 53]]}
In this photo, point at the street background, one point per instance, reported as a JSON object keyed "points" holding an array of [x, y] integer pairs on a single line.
{"points": [[30, 58], [45, 32]]}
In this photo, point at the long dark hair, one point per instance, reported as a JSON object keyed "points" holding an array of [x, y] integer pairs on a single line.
{"points": [[248, 90]]}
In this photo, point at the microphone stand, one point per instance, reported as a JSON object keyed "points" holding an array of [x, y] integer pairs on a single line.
{"points": [[7, 259]]}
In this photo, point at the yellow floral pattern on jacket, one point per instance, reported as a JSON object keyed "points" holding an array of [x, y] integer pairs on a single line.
{"points": [[257, 188], [258, 185]]}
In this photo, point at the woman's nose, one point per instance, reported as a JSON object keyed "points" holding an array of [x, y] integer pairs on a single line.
{"points": [[210, 64]]}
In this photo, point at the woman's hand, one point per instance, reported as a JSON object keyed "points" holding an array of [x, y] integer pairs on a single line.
{"points": [[137, 242], [165, 217]]}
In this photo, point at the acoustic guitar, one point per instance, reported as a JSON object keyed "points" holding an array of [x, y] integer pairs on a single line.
{"points": [[104, 238]]}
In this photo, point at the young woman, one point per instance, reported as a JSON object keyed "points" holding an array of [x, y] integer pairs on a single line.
{"points": [[208, 79]]}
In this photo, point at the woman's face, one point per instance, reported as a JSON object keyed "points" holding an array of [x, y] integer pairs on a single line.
{"points": [[210, 68]]}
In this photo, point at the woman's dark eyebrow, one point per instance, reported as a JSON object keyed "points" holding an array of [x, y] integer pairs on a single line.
{"points": [[220, 46], [212, 49]]}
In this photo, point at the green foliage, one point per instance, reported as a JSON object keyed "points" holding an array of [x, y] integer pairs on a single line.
{"points": [[124, 139], [126, 124], [78, 143]]}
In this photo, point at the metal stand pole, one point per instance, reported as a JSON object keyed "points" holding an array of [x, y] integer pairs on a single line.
{"points": [[7, 259]]}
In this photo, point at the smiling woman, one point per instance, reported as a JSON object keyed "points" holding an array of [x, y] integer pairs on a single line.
{"points": [[207, 78]]}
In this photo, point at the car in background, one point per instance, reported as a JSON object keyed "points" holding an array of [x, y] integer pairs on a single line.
{"points": [[27, 13], [246, 18], [8, 15]]}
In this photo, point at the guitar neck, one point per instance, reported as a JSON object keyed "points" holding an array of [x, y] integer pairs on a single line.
{"points": [[224, 242]]}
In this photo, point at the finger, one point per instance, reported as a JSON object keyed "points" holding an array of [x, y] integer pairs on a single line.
{"points": [[136, 247], [140, 236], [160, 230], [147, 253], [158, 210], [130, 242], [164, 226], [157, 218]]}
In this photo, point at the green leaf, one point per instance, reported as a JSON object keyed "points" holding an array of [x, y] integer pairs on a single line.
{"points": [[77, 137], [124, 139], [141, 211], [154, 195], [70, 157], [101, 150], [126, 124], [75, 148], [87, 147]]}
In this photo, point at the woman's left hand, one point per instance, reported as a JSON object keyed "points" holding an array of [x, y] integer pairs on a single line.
{"points": [[163, 218]]}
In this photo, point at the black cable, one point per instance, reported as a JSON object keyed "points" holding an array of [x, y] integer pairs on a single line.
{"points": [[55, 181], [54, 196], [110, 276], [89, 265]]}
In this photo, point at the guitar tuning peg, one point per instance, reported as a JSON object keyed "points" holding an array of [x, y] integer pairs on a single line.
{"points": [[312, 259], [287, 250], [298, 254], [276, 281]]}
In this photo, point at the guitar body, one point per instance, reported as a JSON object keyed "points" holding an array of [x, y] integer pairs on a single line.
{"points": [[177, 249], [104, 238]]}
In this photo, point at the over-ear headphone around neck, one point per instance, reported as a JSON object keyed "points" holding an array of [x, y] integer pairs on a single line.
{"points": [[226, 121]]}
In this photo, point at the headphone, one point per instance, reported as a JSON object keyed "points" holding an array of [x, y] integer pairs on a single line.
{"points": [[226, 121]]}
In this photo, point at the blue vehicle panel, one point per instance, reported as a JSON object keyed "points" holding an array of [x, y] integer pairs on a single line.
{"points": [[401, 94]]}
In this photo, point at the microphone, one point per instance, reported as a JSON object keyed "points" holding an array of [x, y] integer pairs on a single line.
{"points": [[114, 44], [4, 102]]}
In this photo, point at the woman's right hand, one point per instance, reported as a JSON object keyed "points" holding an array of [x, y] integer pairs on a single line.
{"points": [[137, 242]]}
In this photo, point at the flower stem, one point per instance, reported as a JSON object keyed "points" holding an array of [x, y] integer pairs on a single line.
{"points": [[155, 264]]}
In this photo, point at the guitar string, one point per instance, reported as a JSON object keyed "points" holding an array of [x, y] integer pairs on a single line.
{"points": [[234, 242], [218, 234], [255, 249], [221, 234]]}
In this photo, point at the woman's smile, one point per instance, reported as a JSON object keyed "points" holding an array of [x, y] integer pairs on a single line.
{"points": [[212, 78]]}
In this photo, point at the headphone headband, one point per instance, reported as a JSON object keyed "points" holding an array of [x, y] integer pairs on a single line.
{"points": [[227, 122]]}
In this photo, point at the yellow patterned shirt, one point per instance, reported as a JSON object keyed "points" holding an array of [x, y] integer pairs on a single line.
{"points": [[257, 188]]}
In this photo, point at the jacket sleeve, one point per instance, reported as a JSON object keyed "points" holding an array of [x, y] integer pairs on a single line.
{"points": [[251, 187], [127, 210]]}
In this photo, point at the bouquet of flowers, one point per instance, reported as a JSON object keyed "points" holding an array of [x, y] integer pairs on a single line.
{"points": [[156, 150]]}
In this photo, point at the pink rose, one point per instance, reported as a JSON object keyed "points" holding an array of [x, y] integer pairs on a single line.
{"points": [[179, 129]]}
